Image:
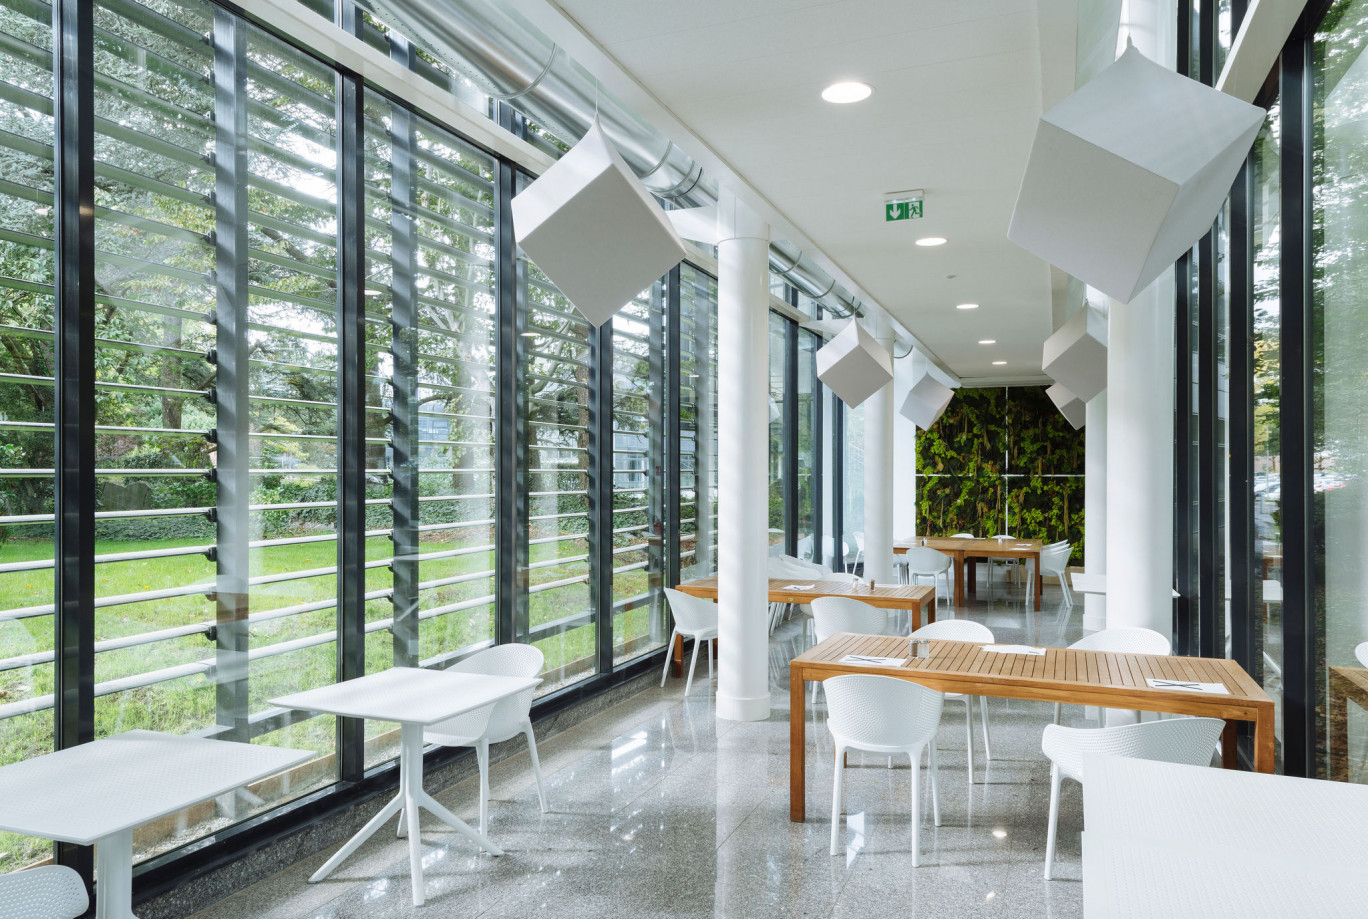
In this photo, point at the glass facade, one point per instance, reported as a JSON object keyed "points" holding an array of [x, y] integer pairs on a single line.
{"points": [[339, 423]]}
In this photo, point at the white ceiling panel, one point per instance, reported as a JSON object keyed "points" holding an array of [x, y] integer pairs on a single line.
{"points": [[957, 93]]}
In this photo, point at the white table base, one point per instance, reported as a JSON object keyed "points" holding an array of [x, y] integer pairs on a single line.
{"points": [[114, 876], [410, 798]]}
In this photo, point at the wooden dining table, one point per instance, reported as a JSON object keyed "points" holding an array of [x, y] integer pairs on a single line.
{"points": [[1058, 675], [964, 550], [912, 597]]}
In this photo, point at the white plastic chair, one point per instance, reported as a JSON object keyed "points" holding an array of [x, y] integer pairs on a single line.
{"points": [[1008, 563], [845, 614], [1054, 562], [859, 549], [694, 618], [1121, 641], [922, 562], [502, 721], [882, 714], [49, 892], [1361, 652], [1189, 741], [964, 630]]}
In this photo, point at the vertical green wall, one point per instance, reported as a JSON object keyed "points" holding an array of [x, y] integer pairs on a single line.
{"points": [[1002, 460]]}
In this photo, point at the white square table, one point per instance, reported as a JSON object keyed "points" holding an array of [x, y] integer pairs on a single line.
{"points": [[1167, 841], [96, 793], [415, 698]]}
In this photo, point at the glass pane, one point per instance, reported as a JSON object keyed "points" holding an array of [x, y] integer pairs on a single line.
{"points": [[1340, 304], [779, 511], [26, 397], [853, 473], [1265, 220], [640, 624], [561, 619], [431, 331], [697, 424], [809, 420]]}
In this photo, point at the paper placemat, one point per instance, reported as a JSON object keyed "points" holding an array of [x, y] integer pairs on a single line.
{"points": [[861, 660], [799, 586], [1217, 689]]}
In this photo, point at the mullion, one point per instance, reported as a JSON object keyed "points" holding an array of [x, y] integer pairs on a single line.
{"points": [[75, 408], [601, 490], [1209, 593], [673, 482], [791, 511]]}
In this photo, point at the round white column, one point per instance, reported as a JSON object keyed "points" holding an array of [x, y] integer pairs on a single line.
{"points": [[1095, 509], [1140, 460], [878, 471], [742, 464]]}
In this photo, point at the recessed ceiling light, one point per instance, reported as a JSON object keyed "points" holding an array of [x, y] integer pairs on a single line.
{"points": [[998, 363], [847, 91], [987, 341], [931, 241], [967, 306]]}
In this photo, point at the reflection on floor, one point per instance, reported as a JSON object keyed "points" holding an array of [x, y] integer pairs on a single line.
{"points": [[658, 809]]}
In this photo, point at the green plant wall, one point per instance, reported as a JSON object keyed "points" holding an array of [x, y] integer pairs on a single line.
{"points": [[1002, 460]]}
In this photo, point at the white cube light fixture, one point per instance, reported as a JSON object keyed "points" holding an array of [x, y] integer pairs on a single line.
{"points": [[928, 396], [1074, 409], [1128, 172], [854, 365], [1076, 354], [592, 228]]}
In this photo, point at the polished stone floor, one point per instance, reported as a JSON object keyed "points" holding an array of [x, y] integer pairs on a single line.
{"points": [[658, 809]]}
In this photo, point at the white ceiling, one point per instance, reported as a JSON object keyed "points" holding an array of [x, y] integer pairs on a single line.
{"points": [[957, 91]]}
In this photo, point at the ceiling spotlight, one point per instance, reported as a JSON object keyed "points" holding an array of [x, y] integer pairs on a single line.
{"points": [[987, 341], [967, 306], [998, 363], [847, 91], [931, 241]]}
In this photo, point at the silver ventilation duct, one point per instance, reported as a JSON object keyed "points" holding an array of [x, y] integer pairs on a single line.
{"points": [[507, 57]]}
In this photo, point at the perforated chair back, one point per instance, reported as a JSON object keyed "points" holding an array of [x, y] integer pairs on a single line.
{"points": [[1055, 558], [1188, 741], [963, 536], [693, 616], [844, 614], [509, 715], [49, 892], [926, 562], [881, 713], [1124, 641], [955, 630], [1361, 652]]}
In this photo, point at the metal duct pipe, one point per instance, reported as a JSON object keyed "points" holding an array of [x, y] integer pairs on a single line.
{"points": [[510, 59]]}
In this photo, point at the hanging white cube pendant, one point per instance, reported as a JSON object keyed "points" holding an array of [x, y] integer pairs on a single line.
{"points": [[1076, 354], [1074, 409], [592, 228], [1128, 172], [927, 398], [854, 365]]}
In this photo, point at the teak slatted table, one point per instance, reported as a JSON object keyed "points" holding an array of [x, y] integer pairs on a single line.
{"points": [[913, 598], [960, 549], [1059, 675], [1347, 684]]}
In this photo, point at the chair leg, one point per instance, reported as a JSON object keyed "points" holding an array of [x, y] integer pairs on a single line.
{"points": [[708, 644], [987, 741], [1058, 706], [482, 755], [536, 765], [916, 811], [969, 732], [693, 666], [669, 653], [837, 784], [402, 829], [933, 763], [1054, 821]]}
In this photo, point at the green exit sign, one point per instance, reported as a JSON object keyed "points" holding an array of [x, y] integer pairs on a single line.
{"points": [[902, 210]]}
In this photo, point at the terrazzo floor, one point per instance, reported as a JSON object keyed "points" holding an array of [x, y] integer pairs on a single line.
{"points": [[658, 809]]}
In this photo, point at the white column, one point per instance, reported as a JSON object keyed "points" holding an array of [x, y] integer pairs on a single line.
{"points": [[904, 456], [1140, 408], [1095, 510], [1140, 460], [742, 467], [878, 471]]}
